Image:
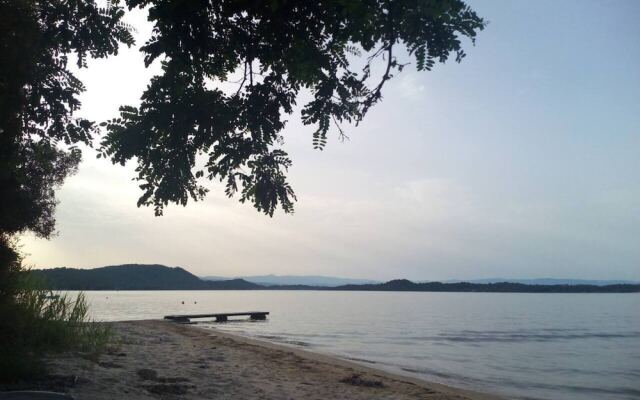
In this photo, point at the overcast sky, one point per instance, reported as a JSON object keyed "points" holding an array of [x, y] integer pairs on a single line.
{"points": [[522, 161]]}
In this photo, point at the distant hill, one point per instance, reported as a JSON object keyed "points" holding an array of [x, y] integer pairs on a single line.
{"points": [[286, 280], [133, 277], [160, 277], [499, 287], [547, 281]]}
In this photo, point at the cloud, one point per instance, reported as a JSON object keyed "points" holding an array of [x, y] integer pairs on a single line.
{"points": [[409, 86]]}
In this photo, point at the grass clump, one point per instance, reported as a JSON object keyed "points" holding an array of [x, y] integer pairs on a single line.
{"points": [[36, 322]]}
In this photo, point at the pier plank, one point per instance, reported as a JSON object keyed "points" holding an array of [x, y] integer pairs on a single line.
{"points": [[220, 317]]}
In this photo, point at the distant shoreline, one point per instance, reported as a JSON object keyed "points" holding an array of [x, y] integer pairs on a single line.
{"points": [[159, 277], [322, 289]]}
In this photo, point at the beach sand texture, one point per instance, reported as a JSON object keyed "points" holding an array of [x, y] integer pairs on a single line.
{"points": [[165, 360]]}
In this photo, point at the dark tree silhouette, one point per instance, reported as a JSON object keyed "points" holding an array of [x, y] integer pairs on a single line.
{"points": [[271, 50], [38, 97], [38, 131]]}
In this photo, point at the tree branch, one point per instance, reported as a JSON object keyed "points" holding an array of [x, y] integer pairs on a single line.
{"points": [[244, 78]]}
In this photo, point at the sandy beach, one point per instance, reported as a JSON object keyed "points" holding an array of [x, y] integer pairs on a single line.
{"points": [[165, 360]]}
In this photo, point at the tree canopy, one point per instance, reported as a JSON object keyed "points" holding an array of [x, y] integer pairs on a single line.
{"points": [[339, 52], [38, 134], [271, 50], [38, 97]]}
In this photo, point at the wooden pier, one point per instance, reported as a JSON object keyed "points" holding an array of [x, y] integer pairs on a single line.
{"points": [[220, 317]]}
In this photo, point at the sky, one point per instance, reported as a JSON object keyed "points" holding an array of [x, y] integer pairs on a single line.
{"points": [[522, 161]]}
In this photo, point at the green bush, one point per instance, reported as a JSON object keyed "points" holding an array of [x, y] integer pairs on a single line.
{"points": [[35, 322]]}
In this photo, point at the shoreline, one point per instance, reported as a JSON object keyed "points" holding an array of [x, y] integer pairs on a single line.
{"points": [[156, 359], [333, 359]]}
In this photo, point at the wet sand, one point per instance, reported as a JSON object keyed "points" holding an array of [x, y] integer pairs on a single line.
{"points": [[165, 360]]}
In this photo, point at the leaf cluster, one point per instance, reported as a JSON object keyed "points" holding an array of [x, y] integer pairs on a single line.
{"points": [[38, 99], [278, 48]]}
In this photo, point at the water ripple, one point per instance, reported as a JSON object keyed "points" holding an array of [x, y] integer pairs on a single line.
{"points": [[507, 336]]}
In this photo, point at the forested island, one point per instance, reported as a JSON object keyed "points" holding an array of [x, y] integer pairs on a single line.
{"points": [[160, 277]]}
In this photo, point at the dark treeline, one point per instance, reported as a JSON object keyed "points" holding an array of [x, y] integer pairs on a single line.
{"points": [[134, 277], [159, 277], [499, 287]]}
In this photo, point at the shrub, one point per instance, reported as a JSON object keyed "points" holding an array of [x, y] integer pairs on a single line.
{"points": [[35, 322]]}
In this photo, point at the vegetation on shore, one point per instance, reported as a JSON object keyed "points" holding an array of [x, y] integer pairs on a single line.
{"points": [[39, 135], [37, 322]]}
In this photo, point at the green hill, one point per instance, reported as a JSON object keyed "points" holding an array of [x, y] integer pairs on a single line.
{"points": [[133, 277], [160, 277]]}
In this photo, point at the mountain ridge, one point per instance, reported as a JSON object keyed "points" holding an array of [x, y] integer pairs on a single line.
{"points": [[133, 277], [311, 280], [160, 277]]}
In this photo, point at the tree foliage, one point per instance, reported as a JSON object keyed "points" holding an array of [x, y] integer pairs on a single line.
{"points": [[38, 99], [272, 50], [38, 134]]}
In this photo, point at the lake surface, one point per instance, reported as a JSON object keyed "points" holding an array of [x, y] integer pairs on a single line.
{"points": [[526, 346]]}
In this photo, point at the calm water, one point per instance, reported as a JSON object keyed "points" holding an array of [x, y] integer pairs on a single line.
{"points": [[533, 346]]}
